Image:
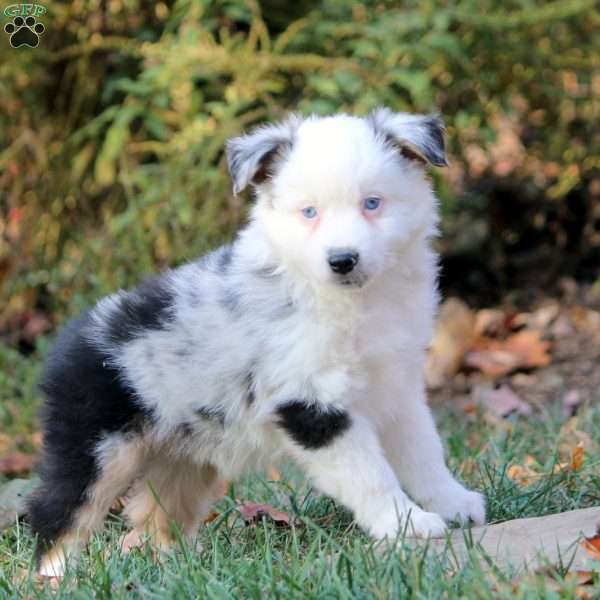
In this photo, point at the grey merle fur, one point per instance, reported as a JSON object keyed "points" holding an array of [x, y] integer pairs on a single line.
{"points": [[147, 307], [423, 137]]}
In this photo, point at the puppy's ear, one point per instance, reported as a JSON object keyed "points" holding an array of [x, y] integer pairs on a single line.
{"points": [[418, 137], [251, 157]]}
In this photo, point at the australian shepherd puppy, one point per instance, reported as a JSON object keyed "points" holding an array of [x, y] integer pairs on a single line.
{"points": [[305, 338]]}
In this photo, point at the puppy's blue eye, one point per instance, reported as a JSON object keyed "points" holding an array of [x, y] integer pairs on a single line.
{"points": [[372, 203], [310, 212]]}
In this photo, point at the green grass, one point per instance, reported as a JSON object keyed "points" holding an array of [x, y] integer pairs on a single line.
{"points": [[323, 555]]}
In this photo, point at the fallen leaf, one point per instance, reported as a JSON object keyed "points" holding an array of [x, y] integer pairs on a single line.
{"points": [[570, 437], [582, 577], [252, 513], [17, 463], [524, 475], [592, 544], [577, 456], [522, 350], [490, 321], [540, 319], [502, 401], [211, 517], [454, 333]]}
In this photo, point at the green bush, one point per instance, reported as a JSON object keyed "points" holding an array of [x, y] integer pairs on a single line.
{"points": [[112, 130]]}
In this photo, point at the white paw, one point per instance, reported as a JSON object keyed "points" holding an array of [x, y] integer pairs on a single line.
{"points": [[412, 523], [53, 564], [456, 503]]}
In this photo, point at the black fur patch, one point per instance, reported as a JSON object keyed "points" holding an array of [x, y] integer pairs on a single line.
{"points": [[437, 147], [311, 424], [86, 400], [212, 413], [149, 306]]}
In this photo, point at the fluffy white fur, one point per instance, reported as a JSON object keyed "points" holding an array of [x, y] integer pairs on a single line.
{"points": [[278, 311]]}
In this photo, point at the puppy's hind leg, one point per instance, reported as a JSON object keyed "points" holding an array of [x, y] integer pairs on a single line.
{"points": [[77, 490], [173, 493]]}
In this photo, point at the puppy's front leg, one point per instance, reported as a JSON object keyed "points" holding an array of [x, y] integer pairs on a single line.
{"points": [[414, 449], [340, 452]]}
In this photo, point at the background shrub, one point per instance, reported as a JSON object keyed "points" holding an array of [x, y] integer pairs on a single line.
{"points": [[112, 130]]}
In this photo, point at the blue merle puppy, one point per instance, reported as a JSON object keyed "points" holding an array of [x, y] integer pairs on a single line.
{"points": [[305, 338]]}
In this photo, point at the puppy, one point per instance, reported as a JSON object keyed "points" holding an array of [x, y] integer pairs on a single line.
{"points": [[305, 338]]}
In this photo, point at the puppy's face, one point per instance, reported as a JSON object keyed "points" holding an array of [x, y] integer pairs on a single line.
{"points": [[340, 198]]}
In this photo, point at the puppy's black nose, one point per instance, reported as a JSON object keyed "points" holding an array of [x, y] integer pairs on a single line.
{"points": [[343, 262]]}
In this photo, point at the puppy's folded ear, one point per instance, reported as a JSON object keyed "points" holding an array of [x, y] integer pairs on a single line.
{"points": [[418, 137], [251, 157]]}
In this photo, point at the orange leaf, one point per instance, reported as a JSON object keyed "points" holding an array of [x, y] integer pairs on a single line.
{"points": [[211, 517], [577, 456], [592, 544], [522, 475], [522, 350]]}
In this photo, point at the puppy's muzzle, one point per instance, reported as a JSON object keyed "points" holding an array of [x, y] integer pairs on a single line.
{"points": [[342, 261]]}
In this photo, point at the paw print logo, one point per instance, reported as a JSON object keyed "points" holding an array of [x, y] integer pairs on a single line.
{"points": [[24, 32]]}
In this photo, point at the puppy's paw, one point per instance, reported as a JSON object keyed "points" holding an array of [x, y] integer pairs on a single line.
{"points": [[414, 523], [457, 503]]}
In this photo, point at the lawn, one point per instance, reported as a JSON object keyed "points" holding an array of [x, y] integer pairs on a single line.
{"points": [[323, 555]]}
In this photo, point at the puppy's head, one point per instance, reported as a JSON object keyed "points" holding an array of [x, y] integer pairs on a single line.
{"points": [[340, 197]]}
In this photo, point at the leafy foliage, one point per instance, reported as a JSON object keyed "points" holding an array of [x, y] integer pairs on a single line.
{"points": [[112, 130]]}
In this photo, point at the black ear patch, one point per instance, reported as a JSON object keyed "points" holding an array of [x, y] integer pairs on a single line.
{"points": [[252, 157], [312, 425], [417, 137]]}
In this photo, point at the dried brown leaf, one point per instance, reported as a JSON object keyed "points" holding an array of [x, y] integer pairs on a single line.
{"points": [[502, 401], [592, 544], [522, 350], [17, 463], [490, 321], [455, 332], [577, 457], [524, 475], [211, 517], [253, 513]]}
